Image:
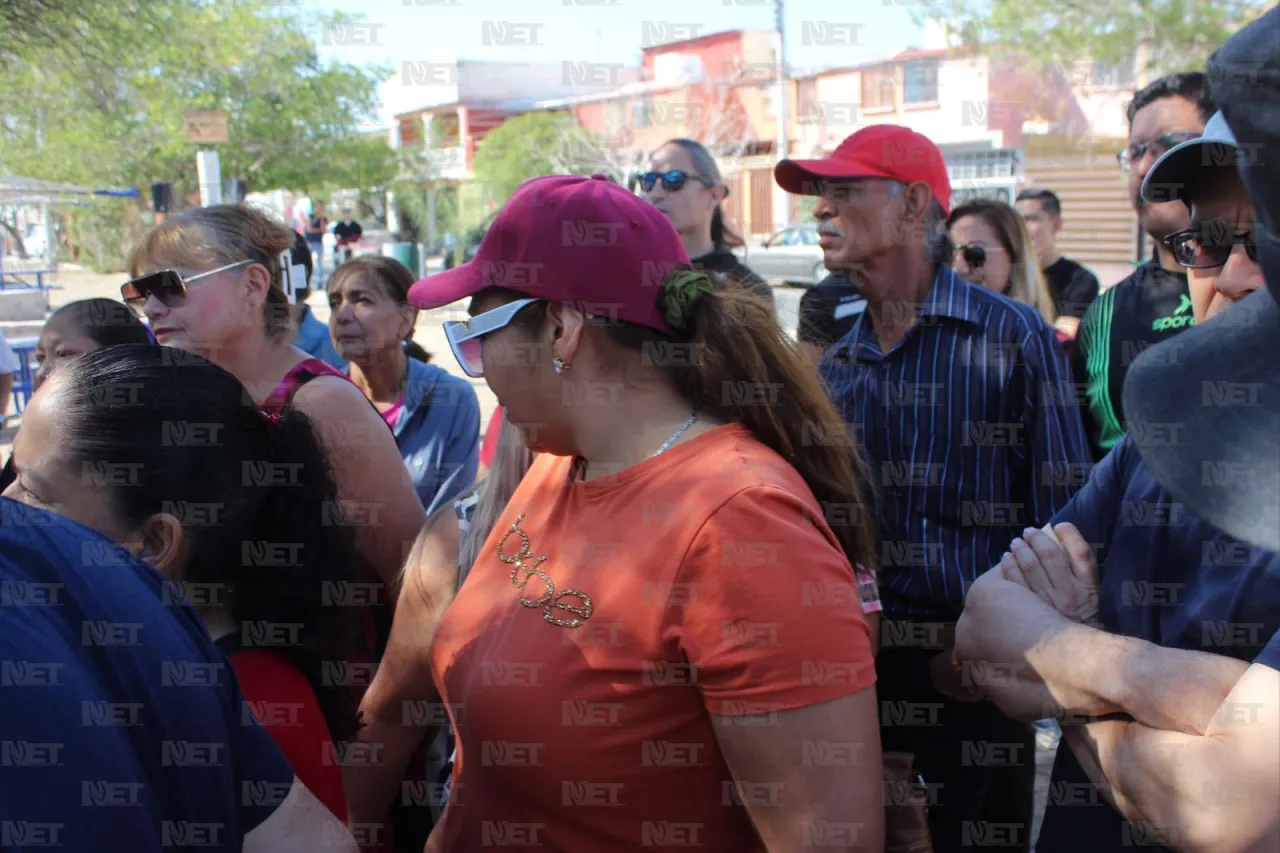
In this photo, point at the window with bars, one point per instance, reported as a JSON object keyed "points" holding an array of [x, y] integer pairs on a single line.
{"points": [[920, 81]]}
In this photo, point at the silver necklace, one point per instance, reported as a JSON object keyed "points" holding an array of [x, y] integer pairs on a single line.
{"points": [[684, 427]]}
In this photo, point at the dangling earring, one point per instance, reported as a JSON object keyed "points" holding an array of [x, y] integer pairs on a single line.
{"points": [[559, 364]]}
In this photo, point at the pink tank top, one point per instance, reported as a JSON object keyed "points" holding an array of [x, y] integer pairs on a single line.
{"points": [[300, 374]]}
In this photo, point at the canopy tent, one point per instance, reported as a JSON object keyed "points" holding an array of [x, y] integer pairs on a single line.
{"points": [[18, 190]]}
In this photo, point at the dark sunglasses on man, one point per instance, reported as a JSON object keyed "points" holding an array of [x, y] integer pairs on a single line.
{"points": [[1208, 245], [672, 181], [1133, 154]]}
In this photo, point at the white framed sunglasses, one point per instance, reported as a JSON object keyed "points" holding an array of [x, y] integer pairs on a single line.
{"points": [[465, 336]]}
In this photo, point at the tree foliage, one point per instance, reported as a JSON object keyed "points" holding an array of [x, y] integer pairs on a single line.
{"points": [[94, 93], [1180, 34], [524, 147]]}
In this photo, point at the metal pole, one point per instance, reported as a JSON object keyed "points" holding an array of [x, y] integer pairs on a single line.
{"points": [[781, 201], [209, 173]]}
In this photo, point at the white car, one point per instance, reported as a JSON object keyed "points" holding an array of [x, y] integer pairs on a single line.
{"points": [[791, 256]]}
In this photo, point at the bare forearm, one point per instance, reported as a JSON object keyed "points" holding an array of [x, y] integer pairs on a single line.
{"points": [[1168, 689], [1008, 634], [372, 788], [1168, 784]]}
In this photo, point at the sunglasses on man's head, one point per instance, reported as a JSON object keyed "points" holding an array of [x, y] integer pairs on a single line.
{"points": [[672, 181], [465, 336], [1208, 245], [168, 286]]}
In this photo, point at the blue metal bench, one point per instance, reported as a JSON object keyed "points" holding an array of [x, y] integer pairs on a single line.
{"points": [[24, 379], [21, 279]]}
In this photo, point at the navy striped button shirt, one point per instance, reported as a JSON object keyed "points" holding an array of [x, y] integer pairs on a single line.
{"points": [[971, 431]]}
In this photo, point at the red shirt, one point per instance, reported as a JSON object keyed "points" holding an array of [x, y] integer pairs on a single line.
{"points": [[702, 581], [286, 706]]}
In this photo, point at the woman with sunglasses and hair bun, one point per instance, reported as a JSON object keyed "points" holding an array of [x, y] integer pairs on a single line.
{"points": [[665, 617], [210, 282], [993, 248], [684, 183]]}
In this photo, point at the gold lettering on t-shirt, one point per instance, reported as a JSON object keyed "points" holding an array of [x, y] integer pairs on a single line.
{"points": [[526, 567]]}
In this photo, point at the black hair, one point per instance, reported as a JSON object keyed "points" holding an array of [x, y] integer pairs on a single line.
{"points": [[394, 278], [106, 322], [301, 254], [1191, 86], [1048, 199], [256, 498], [704, 163]]}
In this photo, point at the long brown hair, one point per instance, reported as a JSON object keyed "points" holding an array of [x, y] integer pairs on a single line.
{"points": [[739, 350], [1026, 280]]}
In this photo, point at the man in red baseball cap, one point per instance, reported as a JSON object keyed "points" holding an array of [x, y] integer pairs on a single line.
{"points": [[958, 397]]}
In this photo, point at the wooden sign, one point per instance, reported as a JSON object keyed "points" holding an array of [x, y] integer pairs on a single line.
{"points": [[207, 127]]}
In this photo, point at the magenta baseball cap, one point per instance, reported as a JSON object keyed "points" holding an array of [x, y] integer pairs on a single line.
{"points": [[570, 239]]}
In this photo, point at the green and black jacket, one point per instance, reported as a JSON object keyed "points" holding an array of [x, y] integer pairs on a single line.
{"points": [[1150, 306]]}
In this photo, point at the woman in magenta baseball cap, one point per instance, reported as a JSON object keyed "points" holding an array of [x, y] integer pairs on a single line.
{"points": [[660, 643]]}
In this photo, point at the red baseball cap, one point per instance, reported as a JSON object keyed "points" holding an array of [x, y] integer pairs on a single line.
{"points": [[880, 151], [570, 239]]}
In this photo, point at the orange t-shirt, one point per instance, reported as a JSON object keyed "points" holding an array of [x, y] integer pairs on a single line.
{"points": [[701, 581]]}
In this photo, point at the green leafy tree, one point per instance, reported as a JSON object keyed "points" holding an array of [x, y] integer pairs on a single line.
{"points": [[526, 146], [95, 95], [1164, 35]]}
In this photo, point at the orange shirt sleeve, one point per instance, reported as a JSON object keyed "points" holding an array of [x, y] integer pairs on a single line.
{"points": [[771, 616]]}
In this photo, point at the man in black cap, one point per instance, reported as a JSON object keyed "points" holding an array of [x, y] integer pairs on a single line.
{"points": [[1180, 639]]}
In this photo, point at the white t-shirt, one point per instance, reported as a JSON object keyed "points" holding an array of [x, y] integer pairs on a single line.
{"points": [[8, 361]]}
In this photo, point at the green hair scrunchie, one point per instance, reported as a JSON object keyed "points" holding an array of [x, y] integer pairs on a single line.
{"points": [[680, 293]]}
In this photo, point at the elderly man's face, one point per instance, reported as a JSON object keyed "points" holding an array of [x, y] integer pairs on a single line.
{"points": [[1222, 216], [858, 220]]}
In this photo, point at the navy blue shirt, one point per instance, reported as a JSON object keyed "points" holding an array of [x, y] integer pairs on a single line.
{"points": [[123, 726], [971, 431], [1170, 579]]}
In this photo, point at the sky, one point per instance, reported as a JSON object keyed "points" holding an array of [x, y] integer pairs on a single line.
{"points": [[819, 33]]}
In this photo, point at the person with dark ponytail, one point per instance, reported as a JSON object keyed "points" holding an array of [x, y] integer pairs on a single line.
{"points": [[684, 183], [166, 454], [667, 607], [434, 415]]}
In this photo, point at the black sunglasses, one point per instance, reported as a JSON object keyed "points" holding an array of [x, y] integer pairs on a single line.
{"points": [[672, 181], [1209, 245], [974, 256], [169, 286]]}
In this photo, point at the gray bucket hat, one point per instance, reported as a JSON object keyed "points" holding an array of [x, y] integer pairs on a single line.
{"points": [[1203, 408]]}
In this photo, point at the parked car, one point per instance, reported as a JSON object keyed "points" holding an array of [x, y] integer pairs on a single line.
{"points": [[791, 256]]}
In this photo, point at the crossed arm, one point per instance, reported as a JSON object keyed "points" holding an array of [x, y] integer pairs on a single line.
{"points": [[1195, 753]]}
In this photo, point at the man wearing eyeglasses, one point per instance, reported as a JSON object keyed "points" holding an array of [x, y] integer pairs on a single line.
{"points": [[1218, 248], [1154, 302]]}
